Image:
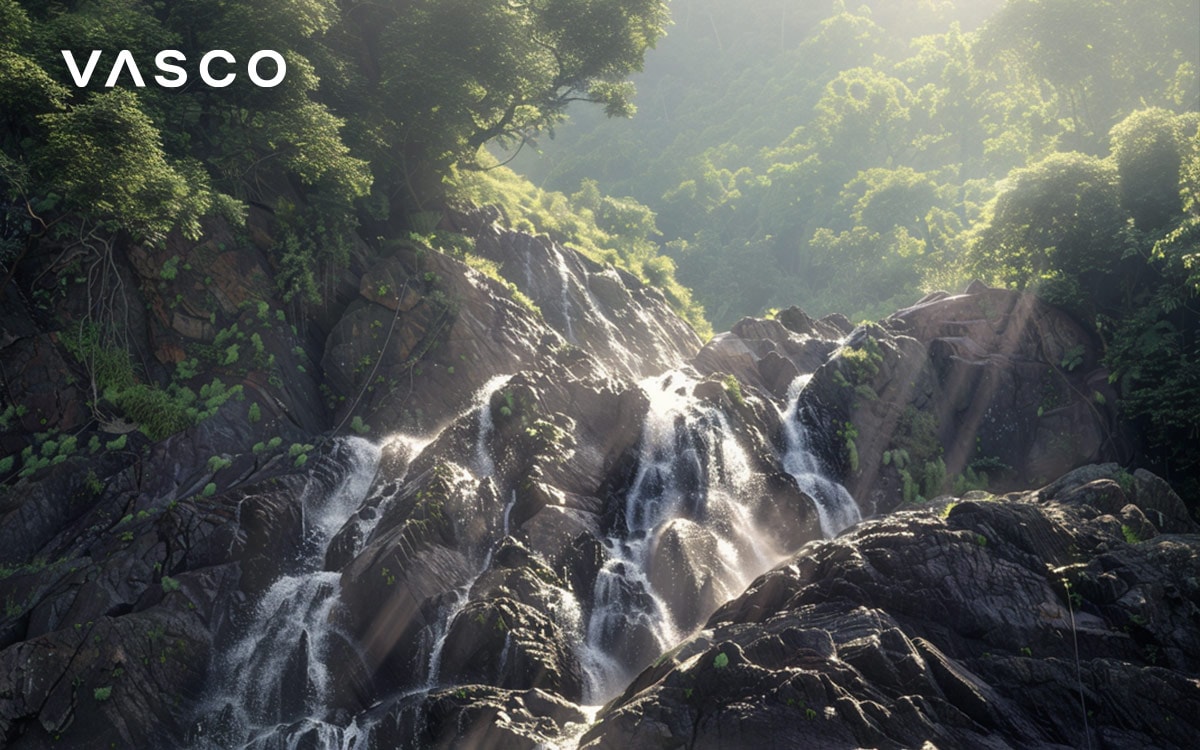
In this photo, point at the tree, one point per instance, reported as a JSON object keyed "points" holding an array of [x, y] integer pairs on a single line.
{"points": [[106, 158], [861, 120], [1149, 147], [1059, 214], [890, 198], [453, 75], [1102, 57]]}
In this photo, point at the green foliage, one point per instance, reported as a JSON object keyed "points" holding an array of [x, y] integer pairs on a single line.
{"points": [[1056, 215], [1073, 357], [254, 413], [607, 230], [916, 436], [150, 161], [848, 434], [106, 159], [169, 584], [861, 365], [507, 404], [1149, 147], [1131, 535], [11, 413], [849, 175], [733, 389], [93, 482], [1125, 479], [170, 269], [359, 426], [970, 480], [102, 694], [933, 477], [528, 61], [159, 412], [721, 661]]}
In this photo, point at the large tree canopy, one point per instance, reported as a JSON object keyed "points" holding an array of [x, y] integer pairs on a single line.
{"points": [[391, 94]]}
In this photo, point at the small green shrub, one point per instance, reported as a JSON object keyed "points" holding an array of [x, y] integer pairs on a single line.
{"points": [[733, 389], [170, 269], [849, 433]]}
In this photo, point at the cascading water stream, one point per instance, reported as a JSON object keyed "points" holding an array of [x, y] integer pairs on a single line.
{"points": [[484, 467], [685, 505], [564, 275], [274, 679], [277, 672], [685, 540], [836, 509]]}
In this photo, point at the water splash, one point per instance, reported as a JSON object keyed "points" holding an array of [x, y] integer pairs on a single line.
{"points": [[484, 466], [686, 541], [278, 671], [836, 509]]}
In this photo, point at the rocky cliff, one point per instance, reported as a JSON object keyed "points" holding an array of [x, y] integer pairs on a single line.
{"points": [[453, 508], [1063, 617]]}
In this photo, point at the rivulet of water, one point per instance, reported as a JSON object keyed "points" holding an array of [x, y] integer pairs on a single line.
{"points": [[835, 507]]}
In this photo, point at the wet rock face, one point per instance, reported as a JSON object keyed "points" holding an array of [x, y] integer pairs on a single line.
{"points": [[769, 354], [627, 326], [939, 395], [1042, 619]]}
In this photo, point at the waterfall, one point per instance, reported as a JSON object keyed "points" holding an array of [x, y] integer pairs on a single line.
{"points": [[683, 540], [462, 597], [564, 275], [277, 672], [484, 466], [685, 543], [835, 507]]}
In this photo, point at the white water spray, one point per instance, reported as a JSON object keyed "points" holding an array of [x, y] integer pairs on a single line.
{"points": [[836, 509], [686, 504], [278, 671]]}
